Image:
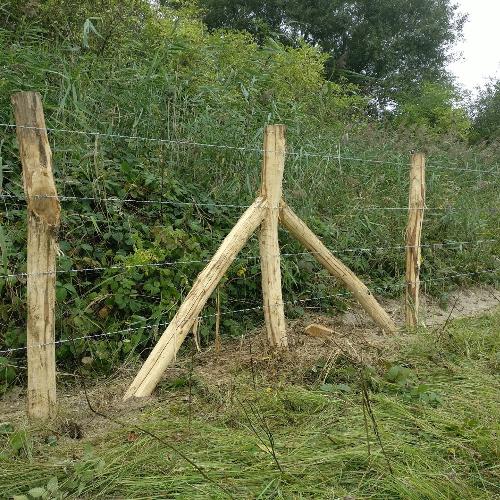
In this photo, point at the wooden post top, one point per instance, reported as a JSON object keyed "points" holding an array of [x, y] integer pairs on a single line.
{"points": [[35, 153], [273, 164]]}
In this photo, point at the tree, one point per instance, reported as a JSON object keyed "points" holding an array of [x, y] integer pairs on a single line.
{"points": [[486, 112], [434, 108], [386, 44]]}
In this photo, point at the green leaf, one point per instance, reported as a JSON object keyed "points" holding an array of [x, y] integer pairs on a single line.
{"points": [[18, 440], [53, 484], [6, 428], [398, 374], [61, 293], [88, 27], [343, 388], [327, 388]]}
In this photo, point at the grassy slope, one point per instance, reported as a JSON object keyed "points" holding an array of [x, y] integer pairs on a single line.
{"points": [[441, 444]]}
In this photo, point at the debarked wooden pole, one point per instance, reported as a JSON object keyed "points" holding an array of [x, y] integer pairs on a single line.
{"points": [[166, 349], [272, 177], [335, 267], [413, 239], [43, 223]]}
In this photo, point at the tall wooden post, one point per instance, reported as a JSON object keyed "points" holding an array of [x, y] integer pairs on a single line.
{"points": [[43, 223], [272, 177], [413, 238]]}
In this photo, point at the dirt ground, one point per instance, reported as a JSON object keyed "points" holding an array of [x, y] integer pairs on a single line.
{"points": [[355, 336]]}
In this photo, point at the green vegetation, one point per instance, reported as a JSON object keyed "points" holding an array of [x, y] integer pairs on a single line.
{"points": [[486, 124], [435, 402], [383, 46], [130, 68]]}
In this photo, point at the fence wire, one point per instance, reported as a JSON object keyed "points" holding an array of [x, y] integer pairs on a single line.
{"points": [[326, 155], [392, 287], [437, 245], [329, 156]]}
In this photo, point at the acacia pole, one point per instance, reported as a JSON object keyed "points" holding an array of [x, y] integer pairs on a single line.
{"points": [[413, 239], [272, 178], [335, 267], [170, 342]]}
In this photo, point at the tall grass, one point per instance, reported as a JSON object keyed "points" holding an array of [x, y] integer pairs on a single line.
{"points": [[437, 425]]}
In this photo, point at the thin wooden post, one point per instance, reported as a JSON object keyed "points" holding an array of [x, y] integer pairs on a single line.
{"points": [[272, 177], [43, 223], [413, 238], [218, 342]]}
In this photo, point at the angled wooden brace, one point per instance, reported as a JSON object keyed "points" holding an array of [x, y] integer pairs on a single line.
{"points": [[170, 342], [335, 267]]}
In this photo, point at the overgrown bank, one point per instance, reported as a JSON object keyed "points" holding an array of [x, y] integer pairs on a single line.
{"points": [[164, 76]]}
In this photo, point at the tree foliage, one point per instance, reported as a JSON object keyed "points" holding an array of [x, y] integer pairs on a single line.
{"points": [[486, 111], [433, 107], [384, 44]]}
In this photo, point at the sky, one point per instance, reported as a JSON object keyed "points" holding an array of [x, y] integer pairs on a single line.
{"points": [[480, 47]]}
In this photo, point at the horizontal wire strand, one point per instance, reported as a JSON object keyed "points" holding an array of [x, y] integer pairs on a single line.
{"points": [[135, 137], [313, 154], [193, 203], [439, 245], [123, 200], [292, 302]]}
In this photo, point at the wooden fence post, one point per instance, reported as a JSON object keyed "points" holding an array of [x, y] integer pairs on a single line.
{"points": [[43, 223], [413, 239], [272, 177]]}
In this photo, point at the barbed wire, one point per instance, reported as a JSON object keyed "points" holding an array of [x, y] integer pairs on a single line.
{"points": [[248, 309], [459, 275], [336, 158], [430, 280], [179, 263], [185, 142], [182, 142], [227, 205], [128, 330], [123, 200]]}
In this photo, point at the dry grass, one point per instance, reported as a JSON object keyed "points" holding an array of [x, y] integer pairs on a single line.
{"points": [[289, 426]]}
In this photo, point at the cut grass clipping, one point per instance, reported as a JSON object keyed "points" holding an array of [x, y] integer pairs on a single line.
{"points": [[423, 424]]}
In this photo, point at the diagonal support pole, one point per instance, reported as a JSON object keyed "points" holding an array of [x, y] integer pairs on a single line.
{"points": [[170, 342], [335, 267]]}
